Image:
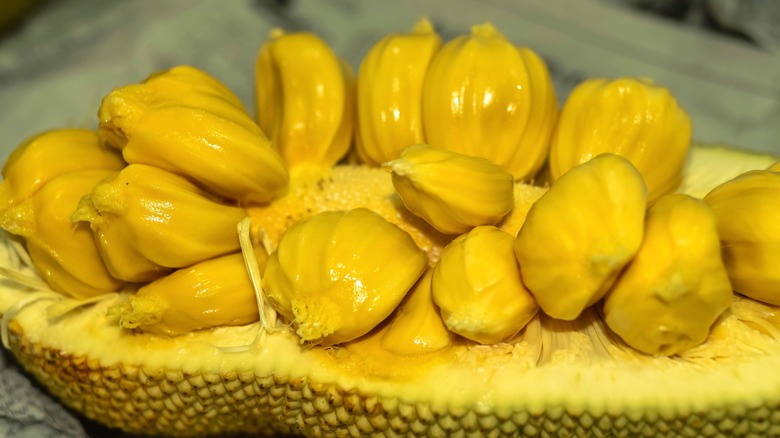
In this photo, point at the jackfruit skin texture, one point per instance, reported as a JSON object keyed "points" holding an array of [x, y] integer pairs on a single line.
{"points": [[171, 402]]}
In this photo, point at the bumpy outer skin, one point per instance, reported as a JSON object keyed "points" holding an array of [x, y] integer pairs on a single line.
{"points": [[389, 93], [305, 97], [630, 117], [675, 288], [485, 97], [184, 121], [747, 213], [581, 233], [147, 220]]}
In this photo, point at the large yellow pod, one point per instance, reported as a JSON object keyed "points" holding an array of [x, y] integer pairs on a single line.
{"points": [[305, 99], [336, 275], [669, 296], [184, 121], [747, 213], [485, 97], [64, 253], [47, 155], [147, 221], [633, 118], [389, 93]]}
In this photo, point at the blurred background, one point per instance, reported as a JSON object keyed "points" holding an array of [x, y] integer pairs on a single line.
{"points": [[58, 58]]}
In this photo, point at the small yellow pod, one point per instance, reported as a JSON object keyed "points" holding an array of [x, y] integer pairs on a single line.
{"points": [[478, 287], [336, 275], [389, 92], [670, 295], [633, 118], [45, 156], [147, 221], [64, 254], [416, 327], [581, 233], [186, 122], [452, 192], [212, 293], [305, 97], [485, 97], [747, 213]]}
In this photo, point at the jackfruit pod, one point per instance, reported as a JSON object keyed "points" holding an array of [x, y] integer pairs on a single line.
{"points": [[212, 293], [670, 295], [389, 92], [186, 122], [64, 254], [485, 97], [450, 191], [747, 214], [336, 275], [47, 155], [633, 118], [478, 287], [416, 326], [305, 97], [147, 221], [581, 233]]}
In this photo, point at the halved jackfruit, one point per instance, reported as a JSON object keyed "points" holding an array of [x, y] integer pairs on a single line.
{"points": [[556, 378]]}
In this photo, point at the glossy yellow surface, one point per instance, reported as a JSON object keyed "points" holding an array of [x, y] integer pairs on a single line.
{"points": [[148, 221], [389, 92], [478, 287], [416, 327], [212, 293], [305, 97], [775, 167], [676, 287], [630, 117], [336, 275], [580, 234], [451, 191], [186, 122], [484, 96], [747, 213], [44, 156], [64, 254]]}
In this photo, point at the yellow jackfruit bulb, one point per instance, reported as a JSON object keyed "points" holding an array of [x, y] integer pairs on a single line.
{"points": [[451, 191], [147, 221], [417, 327], [670, 295], [42, 157], [64, 254], [633, 118], [389, 92], [775, 167], [485, 97], [305, 97], [747, 213], [212, 293], [336, 275], [186, 122], [581, 233], [478, 287]]}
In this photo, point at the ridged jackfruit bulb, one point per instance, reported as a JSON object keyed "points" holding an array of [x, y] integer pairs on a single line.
{"points": [[747, 213], [670, 295], [452, 192], [633, 118], [184, 121], [148, 221], [213, 293], [305, 99], [478, 287], [579, 235], [336, 275], [389, 92], [485, 97]]}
